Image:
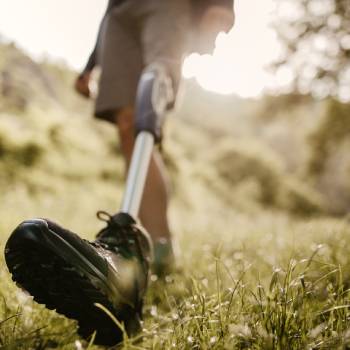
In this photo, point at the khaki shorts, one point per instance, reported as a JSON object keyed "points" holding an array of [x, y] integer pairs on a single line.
{"points": [[133, 36]]}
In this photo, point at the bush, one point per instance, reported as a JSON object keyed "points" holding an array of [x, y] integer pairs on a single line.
{"points": [[334, 128], [237, 164], [300, 199], [329, 163], [27, 153]]}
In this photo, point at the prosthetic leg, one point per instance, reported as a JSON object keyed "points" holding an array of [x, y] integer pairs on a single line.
{"points": [[153, 97]]}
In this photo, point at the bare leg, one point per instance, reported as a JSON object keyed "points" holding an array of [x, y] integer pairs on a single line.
{"points": [[154, 205]]}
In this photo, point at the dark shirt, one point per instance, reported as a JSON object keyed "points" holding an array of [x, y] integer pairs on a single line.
{"points": [[113, 3], [198, 3], [198, 8]]}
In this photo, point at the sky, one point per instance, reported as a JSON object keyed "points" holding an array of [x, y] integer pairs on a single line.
{"points": [[67, 29]]}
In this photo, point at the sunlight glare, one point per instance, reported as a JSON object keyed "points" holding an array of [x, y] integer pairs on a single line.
{"points": [[237, 64]]}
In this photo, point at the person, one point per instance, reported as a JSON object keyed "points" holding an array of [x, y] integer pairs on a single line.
{"points": [[56, 266], [122, 51]]}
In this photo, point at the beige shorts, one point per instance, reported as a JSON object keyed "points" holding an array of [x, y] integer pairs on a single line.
{"points": [[133, 36]]}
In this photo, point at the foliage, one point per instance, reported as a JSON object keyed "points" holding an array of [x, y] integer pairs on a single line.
{"points": [[254, 164], [333, 129], [26, 153], [25, 83], [316, 45]]}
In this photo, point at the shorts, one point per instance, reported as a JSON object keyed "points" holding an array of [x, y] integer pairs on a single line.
{"points": [[134, 35]]}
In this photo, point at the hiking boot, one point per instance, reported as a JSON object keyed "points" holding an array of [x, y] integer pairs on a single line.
{"points": [[70, 274]]}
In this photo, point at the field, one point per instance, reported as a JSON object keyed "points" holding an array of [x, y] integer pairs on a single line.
{"points": [[260, 201]]}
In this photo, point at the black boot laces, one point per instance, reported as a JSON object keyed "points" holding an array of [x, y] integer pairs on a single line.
{"points": [[118, 233], [114, 232]]}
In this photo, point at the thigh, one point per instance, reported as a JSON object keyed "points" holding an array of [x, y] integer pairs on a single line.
{"points": [[120, 59], [165, 34]]}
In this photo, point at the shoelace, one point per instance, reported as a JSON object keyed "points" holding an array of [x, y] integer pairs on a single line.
{"points": [[111, 224], [122, 230]]}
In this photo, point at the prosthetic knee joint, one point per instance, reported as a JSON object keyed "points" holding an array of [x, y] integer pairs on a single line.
{"points": [[154, 95]]}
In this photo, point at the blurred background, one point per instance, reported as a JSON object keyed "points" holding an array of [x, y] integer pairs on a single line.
{"points": [[263, 124]]}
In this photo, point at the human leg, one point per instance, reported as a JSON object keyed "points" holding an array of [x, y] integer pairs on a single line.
{"points": [[154, 205], [164, 37]]}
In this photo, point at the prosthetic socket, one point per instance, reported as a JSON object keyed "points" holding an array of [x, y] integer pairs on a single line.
{"points": [[154, 96]]}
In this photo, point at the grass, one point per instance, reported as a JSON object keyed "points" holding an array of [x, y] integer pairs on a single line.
{"points": [[274, 285]]}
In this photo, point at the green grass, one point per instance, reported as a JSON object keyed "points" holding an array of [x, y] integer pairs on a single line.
{"points": [[272, 284], [253, 275]]}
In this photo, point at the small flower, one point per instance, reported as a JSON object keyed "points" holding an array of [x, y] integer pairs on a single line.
{"points": [[154, 311], [213, 340], [154, 278], [78, 345], [241, 330]]}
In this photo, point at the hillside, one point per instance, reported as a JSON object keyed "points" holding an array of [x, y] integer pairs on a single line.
{"points": [[260, 196], [42, 152]]}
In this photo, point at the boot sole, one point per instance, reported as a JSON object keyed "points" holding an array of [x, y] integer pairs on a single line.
{"points": [[59, 277]]}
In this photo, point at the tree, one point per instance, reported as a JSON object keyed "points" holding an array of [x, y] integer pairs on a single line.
{"points": [[315, 37]]}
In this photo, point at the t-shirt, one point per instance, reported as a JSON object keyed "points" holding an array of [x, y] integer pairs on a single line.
{"points": [[199, 5], [198, 8]]}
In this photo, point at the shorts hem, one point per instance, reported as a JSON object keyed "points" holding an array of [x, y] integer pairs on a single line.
{"points": [[107, 115]]}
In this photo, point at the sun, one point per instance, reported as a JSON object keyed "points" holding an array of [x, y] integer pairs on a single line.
{"points": [[238, 61]]}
